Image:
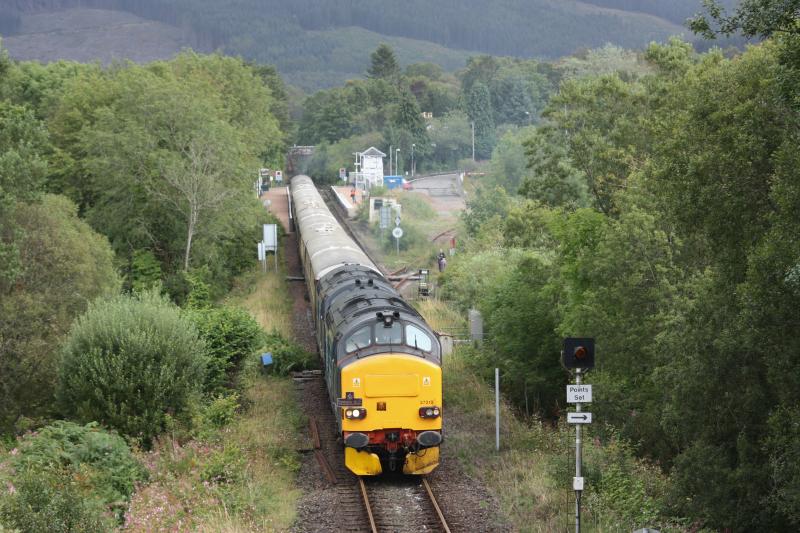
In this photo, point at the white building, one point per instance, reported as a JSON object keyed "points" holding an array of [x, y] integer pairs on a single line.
{"points": [[371, 172]]}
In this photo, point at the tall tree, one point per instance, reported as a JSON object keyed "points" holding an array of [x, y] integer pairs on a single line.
{"points": [[754, 18], [479, 109], [65, 265], [384, 63]]}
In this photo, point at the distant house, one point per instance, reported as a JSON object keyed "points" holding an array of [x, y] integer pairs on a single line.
{"points": [[371, 173]]}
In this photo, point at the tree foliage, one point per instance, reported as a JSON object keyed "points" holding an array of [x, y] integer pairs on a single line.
{"points": [[383, 63], [683, 264], [156, 155], [64, 266]]}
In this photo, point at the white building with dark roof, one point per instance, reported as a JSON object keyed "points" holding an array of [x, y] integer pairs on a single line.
{"points": [[371, 172]]}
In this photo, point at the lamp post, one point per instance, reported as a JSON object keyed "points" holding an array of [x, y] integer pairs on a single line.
{"points": [[397, 161], [390, 160], [528, 113], [412, 160], [473, 140]]}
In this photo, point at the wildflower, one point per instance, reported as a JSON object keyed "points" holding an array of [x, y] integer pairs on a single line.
{"points": [[11, 488]]}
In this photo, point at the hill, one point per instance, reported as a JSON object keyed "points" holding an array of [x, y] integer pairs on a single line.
{"points": [[93, 35], [320, 44]]}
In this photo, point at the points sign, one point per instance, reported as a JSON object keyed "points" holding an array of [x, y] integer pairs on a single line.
{"points": [[579, 394]]}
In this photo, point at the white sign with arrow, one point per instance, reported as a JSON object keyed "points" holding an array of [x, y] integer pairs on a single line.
{"points": [[579, 418]]}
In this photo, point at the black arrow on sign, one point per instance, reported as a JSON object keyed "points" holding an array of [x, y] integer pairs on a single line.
{"points": [[581, 417]]}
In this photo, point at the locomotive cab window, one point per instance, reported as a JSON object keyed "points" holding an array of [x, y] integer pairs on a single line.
{"points": [[417, 338], [359, 339], [389, 335]]}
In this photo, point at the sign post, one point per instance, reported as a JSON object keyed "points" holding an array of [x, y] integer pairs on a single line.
{"points": [[497, 409], [270, 243], [578, 355], [397, 233]]}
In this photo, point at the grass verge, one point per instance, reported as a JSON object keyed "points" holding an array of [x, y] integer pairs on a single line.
{"points": [[237, 473]]}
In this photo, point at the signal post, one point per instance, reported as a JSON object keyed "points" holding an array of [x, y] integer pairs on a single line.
{"points": [[578, 355]]}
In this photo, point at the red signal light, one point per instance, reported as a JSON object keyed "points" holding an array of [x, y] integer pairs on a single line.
{"points": [[580, 352]]}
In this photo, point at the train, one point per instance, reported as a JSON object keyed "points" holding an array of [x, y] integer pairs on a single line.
{"points": [[382, 361]]}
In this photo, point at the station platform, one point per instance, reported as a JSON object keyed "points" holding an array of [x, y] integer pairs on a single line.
{"points": [[343, 195], [276, 201]]}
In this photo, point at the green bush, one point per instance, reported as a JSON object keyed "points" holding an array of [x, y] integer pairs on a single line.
{"points": [[288, 356], [145, 272], [412, 236], [230, 335], [53, 502], [102, 460], [224, 466], [217, 414], [128, 363], [199, 296]]}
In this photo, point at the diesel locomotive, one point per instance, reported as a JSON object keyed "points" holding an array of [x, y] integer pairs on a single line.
{"points": [[382, 362]]}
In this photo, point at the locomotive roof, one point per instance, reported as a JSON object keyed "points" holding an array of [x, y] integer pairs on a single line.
{"points": [[353, 297]]}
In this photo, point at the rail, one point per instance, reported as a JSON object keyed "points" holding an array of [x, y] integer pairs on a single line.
{"points": [[434, 510], [435, 505], [364, 495]]}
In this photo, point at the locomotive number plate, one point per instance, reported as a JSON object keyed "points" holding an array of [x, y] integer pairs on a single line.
{"points": [[349, 402]]}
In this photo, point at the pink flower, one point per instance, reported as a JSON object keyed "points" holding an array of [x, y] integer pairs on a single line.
{"points": [[11, 488], [15, 451]]}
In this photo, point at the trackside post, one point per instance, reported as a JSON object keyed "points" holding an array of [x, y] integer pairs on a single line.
{"points": [[578, 355]]}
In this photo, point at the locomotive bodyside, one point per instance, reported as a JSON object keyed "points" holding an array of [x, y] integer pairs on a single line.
{"points": [[382, 361]]}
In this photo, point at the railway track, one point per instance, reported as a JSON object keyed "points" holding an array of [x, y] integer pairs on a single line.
{"points": [[405, 504], [388, 503]]}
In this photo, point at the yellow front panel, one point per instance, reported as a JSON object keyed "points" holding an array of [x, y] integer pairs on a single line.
{"points": [[380, 378], [389, 385]]}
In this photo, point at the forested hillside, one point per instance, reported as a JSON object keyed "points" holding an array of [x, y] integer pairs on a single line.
{"points": [[320, 44]]}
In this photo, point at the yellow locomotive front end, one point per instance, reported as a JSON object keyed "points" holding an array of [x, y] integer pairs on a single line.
{"points": [[391, 413]]}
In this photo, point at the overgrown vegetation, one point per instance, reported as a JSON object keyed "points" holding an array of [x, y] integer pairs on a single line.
{"points": [[157, 158], [67, 477]]}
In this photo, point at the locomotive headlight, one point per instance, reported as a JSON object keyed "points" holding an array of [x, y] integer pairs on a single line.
{"points": [[429, 412], [355, 414]]}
